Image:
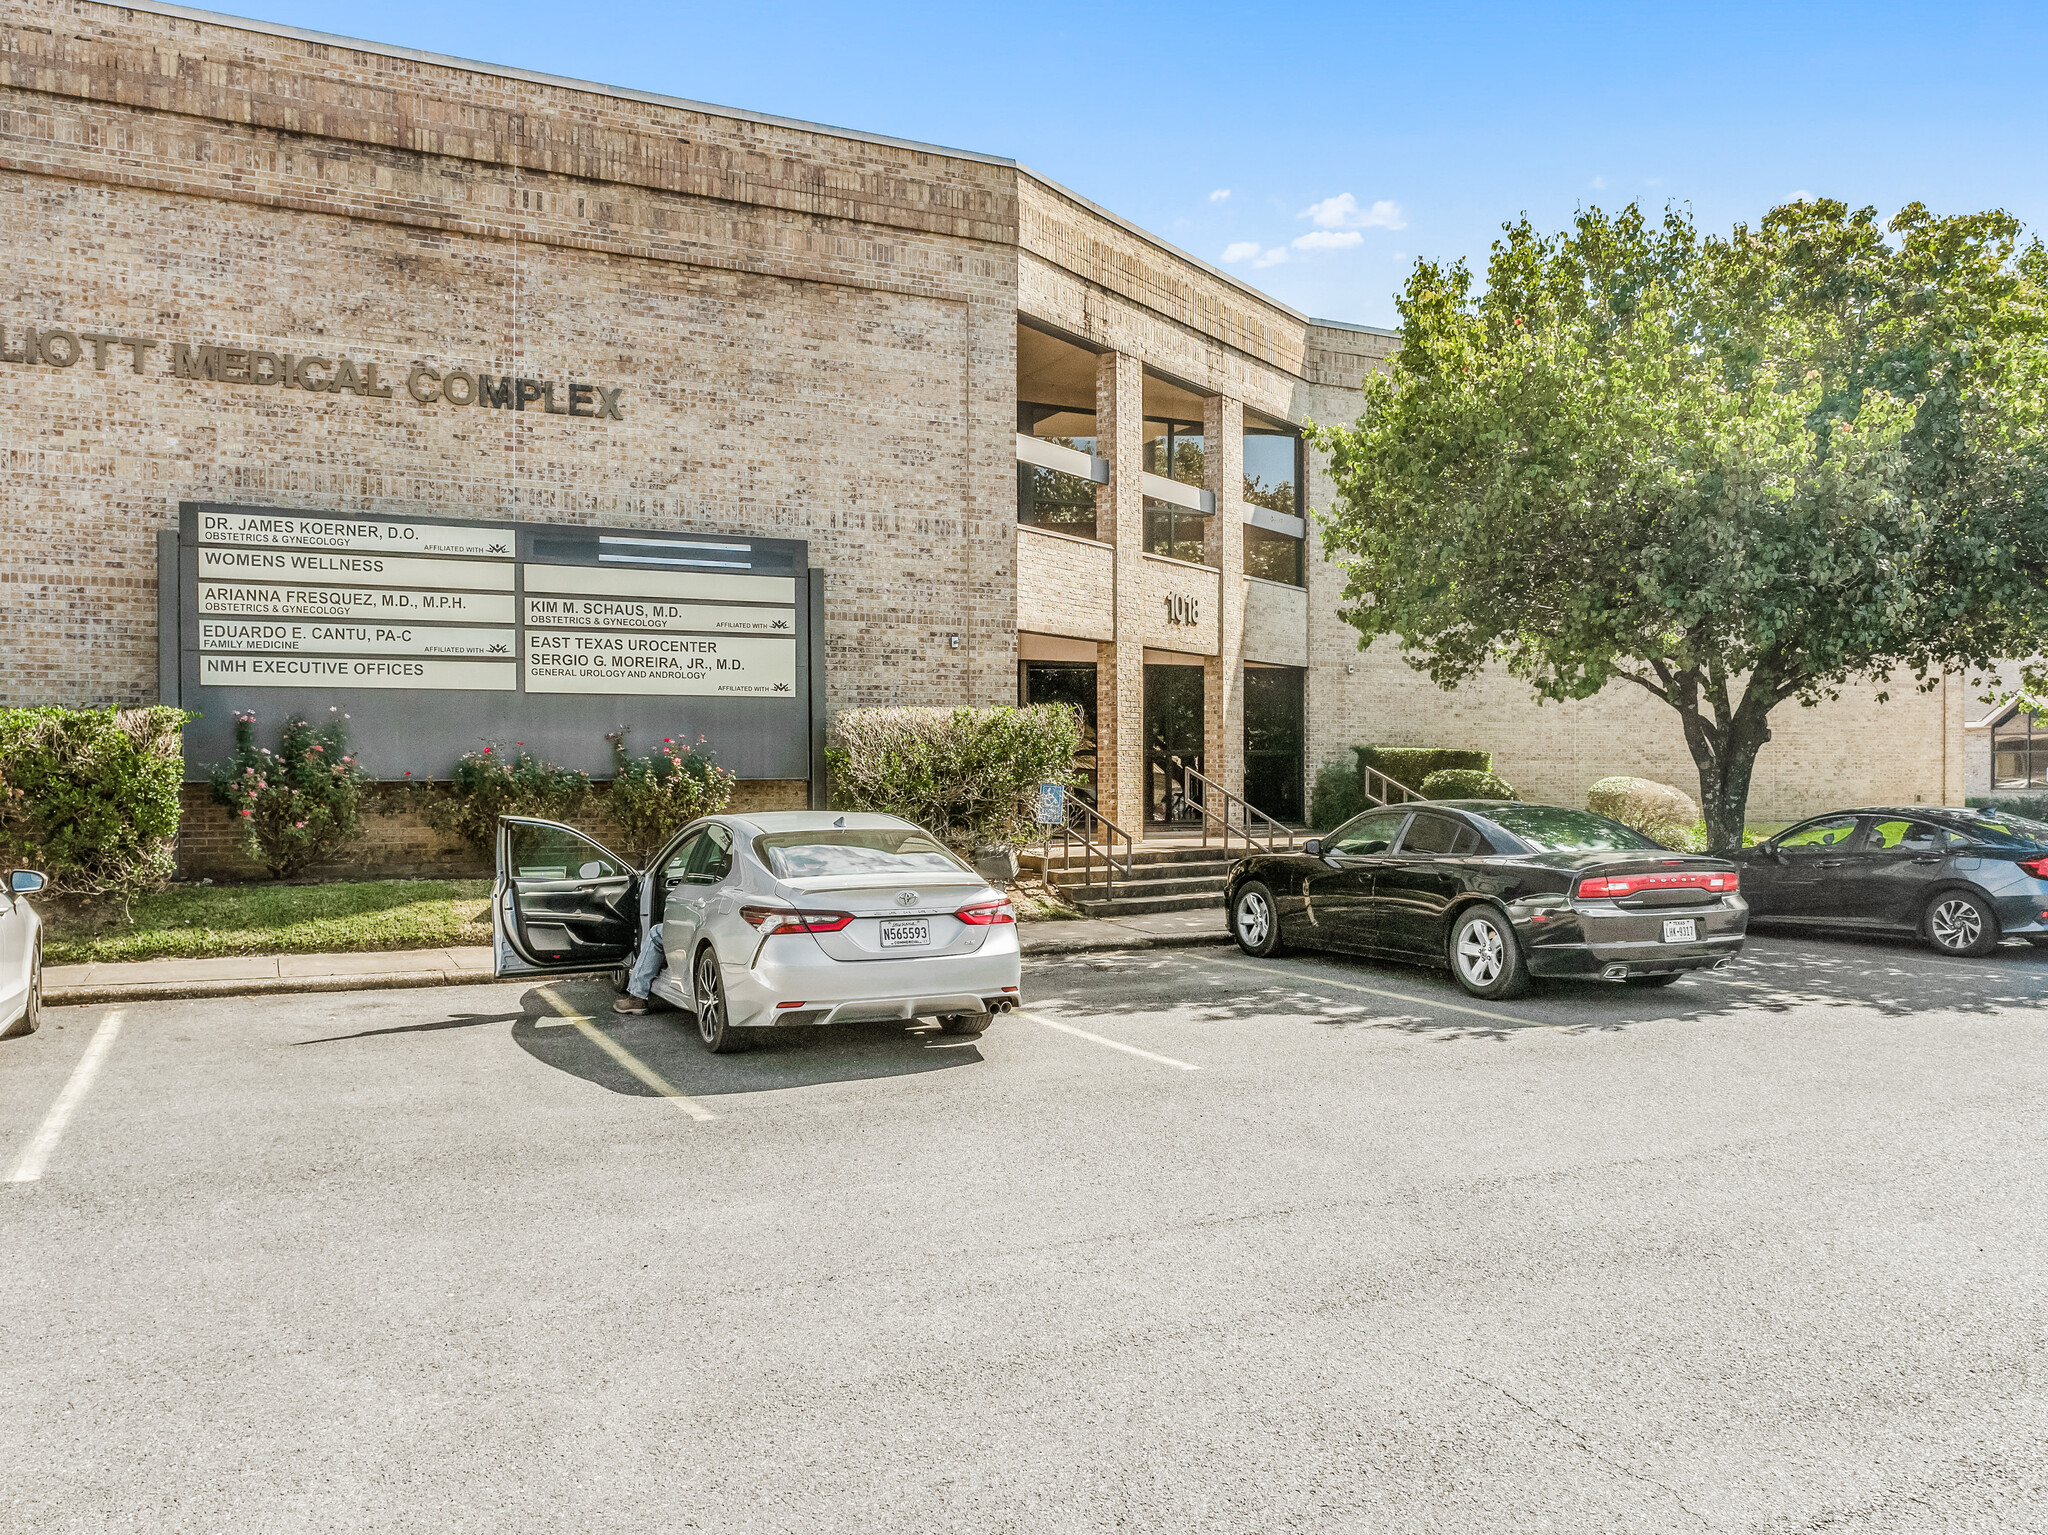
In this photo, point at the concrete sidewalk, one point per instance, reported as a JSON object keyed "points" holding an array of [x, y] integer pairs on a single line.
{"points": [[260, 975]]}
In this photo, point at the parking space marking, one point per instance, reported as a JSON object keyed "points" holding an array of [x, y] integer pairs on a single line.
{"points": [[37, 1156], [1398, 996], [638, 1068], [1068, 1028]]}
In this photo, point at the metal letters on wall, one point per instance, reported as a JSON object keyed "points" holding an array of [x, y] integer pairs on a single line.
{"points": [[436, 635]]}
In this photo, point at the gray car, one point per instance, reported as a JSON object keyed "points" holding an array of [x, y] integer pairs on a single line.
{"points": [[1961, 879]]}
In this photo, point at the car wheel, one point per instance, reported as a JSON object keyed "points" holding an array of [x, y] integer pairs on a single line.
{"points": [[1485, 958], [31, 1017], [1960, 923], [714, 1022], [1649, 980], [965, 1023], [1255, 920]]}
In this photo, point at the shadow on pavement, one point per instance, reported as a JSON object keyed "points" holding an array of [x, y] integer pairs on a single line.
{"points": [[666, 1044], [1777, 974]]}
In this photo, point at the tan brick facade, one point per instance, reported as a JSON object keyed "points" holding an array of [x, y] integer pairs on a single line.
{"points": [[814, 333]]}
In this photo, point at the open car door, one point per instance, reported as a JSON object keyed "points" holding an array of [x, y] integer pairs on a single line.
{"points": [[560, 903]]}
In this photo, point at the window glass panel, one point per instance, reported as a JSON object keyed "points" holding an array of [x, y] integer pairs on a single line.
{"points": [[1271, 478], [678, 864], [1176, 531], [1173, 451], [555, 852], [1430, 834], [1820, 834], [894, 852], [2004, 831], [1906, 836], [1051, 498], [1548, 828], [1372, 832], [710, 857], [1272, 556], [1060, 424]]}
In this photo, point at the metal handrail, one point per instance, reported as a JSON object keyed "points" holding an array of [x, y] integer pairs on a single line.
{"points": [[1090, 851], [1393, 792], [1189, 777]]}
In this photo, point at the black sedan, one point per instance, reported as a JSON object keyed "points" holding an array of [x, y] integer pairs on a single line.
{"points": [[1961, 879], [1497, 891]]}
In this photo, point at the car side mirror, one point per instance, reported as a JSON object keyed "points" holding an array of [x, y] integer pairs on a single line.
{"points": [[1313, 847], [25, 881]]}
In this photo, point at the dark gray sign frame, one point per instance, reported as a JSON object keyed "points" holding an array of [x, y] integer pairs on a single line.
{"points": [[399, 731]]}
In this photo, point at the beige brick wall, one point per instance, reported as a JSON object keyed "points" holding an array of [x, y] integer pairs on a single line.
{"points": [[1275, 623], [1145, 616], [1065, 585]]}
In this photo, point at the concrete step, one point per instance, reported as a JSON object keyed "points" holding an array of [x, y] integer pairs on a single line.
{"points": [[1140, 858], [1200, 884], [1132, 905]]}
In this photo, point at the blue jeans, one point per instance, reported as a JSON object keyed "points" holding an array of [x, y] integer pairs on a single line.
{"points": [[647, 965]]}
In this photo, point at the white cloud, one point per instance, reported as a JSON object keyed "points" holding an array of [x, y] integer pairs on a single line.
{"points": [[1240, 250], [1343, 212], [1802, 196], [1328, 240], [1599, 183], [1219, 194], [1272, 257]]}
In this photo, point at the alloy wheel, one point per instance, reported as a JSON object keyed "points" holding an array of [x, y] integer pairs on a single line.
{"points": [[1254, 918], [710, 999], [1482, 952], [1955, 924]]}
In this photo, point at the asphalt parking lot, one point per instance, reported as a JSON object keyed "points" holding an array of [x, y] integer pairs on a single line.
{"points": [[1196, 1243]]}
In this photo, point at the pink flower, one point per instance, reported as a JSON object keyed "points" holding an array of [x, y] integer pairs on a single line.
{"points": [[245, 815]]}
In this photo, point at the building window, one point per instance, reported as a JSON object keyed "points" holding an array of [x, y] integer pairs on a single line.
{"points": [[1173, 451], [2019, 750], [1176, 532], [1272, 468], [1065, 682], [1272, 556], [1050, 498]]}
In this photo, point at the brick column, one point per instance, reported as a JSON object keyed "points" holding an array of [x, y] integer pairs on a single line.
{"points": [[1223, 673], [1120, 521]]}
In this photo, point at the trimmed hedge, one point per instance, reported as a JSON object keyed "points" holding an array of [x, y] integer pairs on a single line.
{"points": [[1466, 783], [1658, 810], [2028, 807], [961, 774], [1337, 797], [1410, 765], [90, 796]]}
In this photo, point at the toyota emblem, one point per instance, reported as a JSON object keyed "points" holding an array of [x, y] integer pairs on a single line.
{"points": [[906, 898]]}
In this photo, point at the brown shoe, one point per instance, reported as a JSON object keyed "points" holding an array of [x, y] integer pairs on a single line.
{"points": [[629, 1004]]}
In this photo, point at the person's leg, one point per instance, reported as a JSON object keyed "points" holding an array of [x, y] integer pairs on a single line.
{"points": [[646, 966]]}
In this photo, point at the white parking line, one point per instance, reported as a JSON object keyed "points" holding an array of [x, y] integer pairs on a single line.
{"points": [[33, 1160], [1068, 1028], [1398, 996], [638, 1068]]}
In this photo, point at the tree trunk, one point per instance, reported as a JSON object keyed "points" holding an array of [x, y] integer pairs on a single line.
{"points": [[1724, 749]]}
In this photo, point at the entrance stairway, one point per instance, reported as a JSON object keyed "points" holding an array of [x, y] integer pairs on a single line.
{"points": [[1167, 873]]}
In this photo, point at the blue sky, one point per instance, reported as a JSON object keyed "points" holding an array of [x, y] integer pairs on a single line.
{"points": [[1322, 148]]}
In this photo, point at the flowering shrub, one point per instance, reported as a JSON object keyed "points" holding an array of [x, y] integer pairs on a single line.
{"points": [[493, 782], [90, 796], [657, 795], [299, 804]]}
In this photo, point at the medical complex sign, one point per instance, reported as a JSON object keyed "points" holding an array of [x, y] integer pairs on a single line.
{"points": [[435, 635]]}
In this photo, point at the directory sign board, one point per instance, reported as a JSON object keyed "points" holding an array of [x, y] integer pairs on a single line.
{"points": [[436, 635]]}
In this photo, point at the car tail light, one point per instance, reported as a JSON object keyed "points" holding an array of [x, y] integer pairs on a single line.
{"points": [[2038, 867], [780, 919], [1607, 887], [987, 914]]}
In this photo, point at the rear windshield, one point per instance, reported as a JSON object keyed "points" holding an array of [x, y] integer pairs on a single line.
{"points": [[1549, 829], [2001, 831], [893, 851]]}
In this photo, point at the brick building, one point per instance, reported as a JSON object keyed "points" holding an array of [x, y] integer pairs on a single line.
{"points": [[1037, 451]]}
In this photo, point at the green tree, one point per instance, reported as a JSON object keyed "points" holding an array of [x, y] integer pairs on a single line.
{"points": [[1729, 471]]}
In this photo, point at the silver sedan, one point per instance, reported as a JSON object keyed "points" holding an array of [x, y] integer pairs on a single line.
{"points": [[761, 921], [21, 956]]}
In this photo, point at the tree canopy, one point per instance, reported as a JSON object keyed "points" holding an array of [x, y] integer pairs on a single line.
{"points": [[1732, 471]]}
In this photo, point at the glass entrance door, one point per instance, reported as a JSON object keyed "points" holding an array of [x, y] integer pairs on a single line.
{"points": [[1173, 739], [1273, 732], [1065, 682]]}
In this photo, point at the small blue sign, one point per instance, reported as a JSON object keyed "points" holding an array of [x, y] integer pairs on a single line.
{"points": [[1052, 804]]}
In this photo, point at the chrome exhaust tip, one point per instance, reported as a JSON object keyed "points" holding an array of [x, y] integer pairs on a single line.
{"points": [[1614, 972], [1724, 963]]}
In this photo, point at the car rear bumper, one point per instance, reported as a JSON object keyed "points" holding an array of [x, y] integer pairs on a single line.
{"points": [[837, 991], [1599, 938]]}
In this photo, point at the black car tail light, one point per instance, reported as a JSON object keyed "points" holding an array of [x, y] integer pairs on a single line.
{"points": [[779, 919], [1608, 886]]}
